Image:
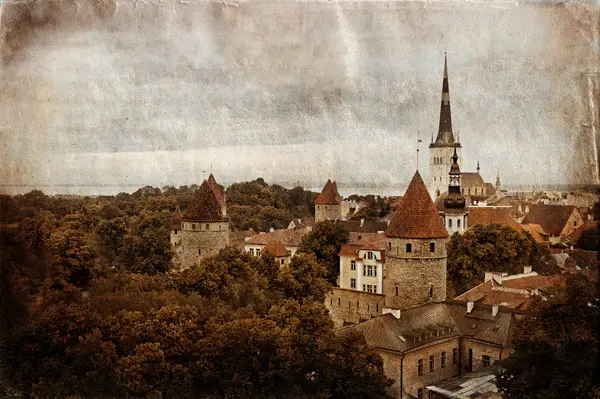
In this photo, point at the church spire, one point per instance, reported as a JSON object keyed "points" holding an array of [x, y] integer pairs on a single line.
{"points": [[445, 137]]}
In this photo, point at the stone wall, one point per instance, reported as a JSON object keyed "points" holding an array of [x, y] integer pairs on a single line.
{"points": [[480, 348], [327, 212], [200, 242], [419, 276], [351, 306], [410, 373], [438, 172]]}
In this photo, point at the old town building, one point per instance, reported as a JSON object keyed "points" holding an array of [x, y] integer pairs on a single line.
{"points": [[202, 230]]}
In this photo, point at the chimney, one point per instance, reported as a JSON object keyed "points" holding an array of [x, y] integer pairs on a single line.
{"points": [[493, 275], [494, 310], [488, 276], [470, 305], [527, 269], [362, 222]]}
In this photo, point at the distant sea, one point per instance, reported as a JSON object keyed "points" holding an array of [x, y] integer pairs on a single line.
{"points": [[344, 190]]}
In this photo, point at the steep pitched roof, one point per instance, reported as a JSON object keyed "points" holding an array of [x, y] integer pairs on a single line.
{"points": [[362, 226], [588, 225], [552, 218], [485, 215], [176, 221], [329, 195], [204, 206], [276, 248], [216, 189], [537, 232], [416, 216]]}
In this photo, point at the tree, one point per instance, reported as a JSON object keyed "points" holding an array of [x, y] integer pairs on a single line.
{"points": [[325, 242], [556, 346], [489, 248], [589, 240]]}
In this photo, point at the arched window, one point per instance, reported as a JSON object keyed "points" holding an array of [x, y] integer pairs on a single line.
{"points": [[450, 223], [457, 222]]}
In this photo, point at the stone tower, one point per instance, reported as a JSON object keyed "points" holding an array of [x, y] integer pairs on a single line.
{"points": [[328, 205], [441, 150], [203, 229], [415, 267], [455, 212]]}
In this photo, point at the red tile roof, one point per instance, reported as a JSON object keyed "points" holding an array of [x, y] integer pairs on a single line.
{"points": [[485, 215], [176, 221], [588, 225], [216, 189], [416, 216], [552, 218], [537, 232], [276, 248], [329, 195], [204, 207]]}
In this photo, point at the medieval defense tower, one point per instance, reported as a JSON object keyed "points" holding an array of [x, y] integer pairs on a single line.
{"points": [[203, 229], [328, 205], [415, 267], [441, 150]]}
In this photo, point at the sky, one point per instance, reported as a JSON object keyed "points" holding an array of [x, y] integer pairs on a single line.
{"points": [[128, 93]]}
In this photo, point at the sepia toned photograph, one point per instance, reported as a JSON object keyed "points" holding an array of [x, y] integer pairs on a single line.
{"points": [[289, 199]]}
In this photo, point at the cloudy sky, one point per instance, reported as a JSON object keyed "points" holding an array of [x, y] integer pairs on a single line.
{"points": [[155, 92]]}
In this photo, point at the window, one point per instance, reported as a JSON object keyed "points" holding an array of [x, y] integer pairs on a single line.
{"points": [[370, 288], [457, 222], [257, 252], [193, 226], [352, 283], [431, 291], [175, 232], [375, 271], [408, 248], [450, 223], [251, 251], [485, 360], [282, 262], [369, 255], [371, 271], [420, 393], [375, 289], [420, 367], [364, 288], [199, 251], [396, 290], [364, 270], [390, 245], [443, 359], [454, 355], [352, 265], [432, 247], [431, 364], [207, 226], [574, 223]]}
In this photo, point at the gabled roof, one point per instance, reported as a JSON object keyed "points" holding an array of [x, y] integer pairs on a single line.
{"points": [[552, 218], [362, 226], [588, 225], [364, 241], [216, 189], [204, 207], [416, 216], [537, 232], [485, 215], [329, 195], [276, 248]]}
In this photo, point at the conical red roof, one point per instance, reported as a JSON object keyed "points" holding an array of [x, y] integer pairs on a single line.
{"points": [[329, 195], [416, 216], [216, 189], [205, 206], [176, 221]]}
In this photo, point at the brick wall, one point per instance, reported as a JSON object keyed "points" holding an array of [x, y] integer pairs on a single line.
{"points": [[351, 306], [415, 273], [327, 212]]}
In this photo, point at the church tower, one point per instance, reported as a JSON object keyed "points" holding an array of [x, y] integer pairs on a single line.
{"points": [[441, 150], [455, 213], [203, 229], [415, 266]]}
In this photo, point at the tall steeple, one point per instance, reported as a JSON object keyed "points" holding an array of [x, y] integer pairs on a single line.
{"points": [[445, 136], [498, 180]]}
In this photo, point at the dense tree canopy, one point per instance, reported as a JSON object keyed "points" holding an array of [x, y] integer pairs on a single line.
{"points": [[89, 309], [492, 248], [556, 347], [325, 242]]}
